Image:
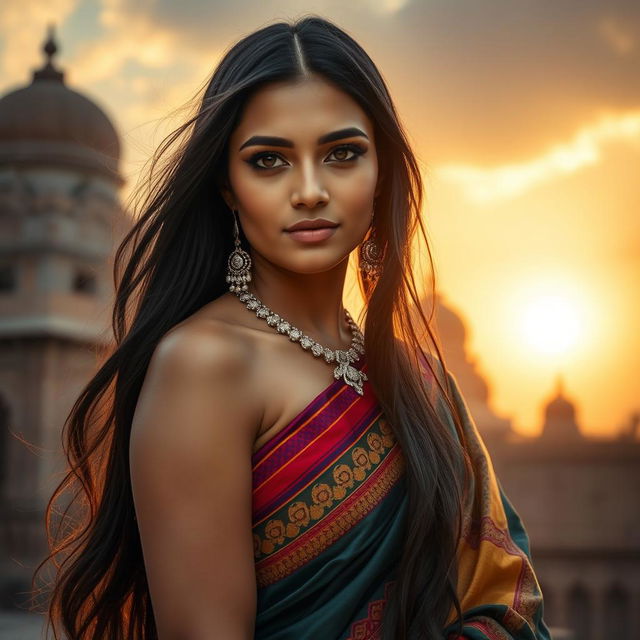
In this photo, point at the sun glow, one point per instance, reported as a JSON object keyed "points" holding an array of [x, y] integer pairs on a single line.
{"points": [[553, 319], [551, 324]]}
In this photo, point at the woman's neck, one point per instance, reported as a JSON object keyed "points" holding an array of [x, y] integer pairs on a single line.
{"points": [[311, 302]]}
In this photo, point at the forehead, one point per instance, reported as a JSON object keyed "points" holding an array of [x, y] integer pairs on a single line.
{"points": [[299, 110]]}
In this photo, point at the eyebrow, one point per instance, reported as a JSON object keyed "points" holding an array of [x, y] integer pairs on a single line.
{"points": [[274, 141]]}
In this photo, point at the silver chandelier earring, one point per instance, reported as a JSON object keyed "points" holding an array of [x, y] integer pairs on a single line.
{"points": [[370, 257], [239, 262]]}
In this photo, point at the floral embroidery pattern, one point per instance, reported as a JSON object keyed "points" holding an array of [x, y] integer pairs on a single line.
{"points": [[314, 502], [345, 516]]}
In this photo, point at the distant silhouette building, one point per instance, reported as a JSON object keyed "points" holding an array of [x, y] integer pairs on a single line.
{"points": [[560, 424], [578, 499], [452, 333], [60, 216]]}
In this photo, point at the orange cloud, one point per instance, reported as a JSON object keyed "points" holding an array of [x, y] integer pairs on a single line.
{"points": [[483, 185]]}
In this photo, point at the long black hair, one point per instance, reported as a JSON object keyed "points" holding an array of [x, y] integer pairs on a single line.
{"points": [[171, 263]]}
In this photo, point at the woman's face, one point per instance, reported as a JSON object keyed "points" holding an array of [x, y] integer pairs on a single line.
{"points": [[319, 162]]}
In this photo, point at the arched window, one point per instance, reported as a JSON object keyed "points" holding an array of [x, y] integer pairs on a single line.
{"points": [[84, 281], [617, 608], [580, 613]]}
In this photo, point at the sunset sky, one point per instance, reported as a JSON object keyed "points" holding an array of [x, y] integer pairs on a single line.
{"points": [[526, 120]]}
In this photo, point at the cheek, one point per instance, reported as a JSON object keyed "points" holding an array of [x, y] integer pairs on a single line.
{"points": [[258, 204], [355, 197], [252, 192]]}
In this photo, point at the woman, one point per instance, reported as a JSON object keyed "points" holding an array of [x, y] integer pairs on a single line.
{"points": [[254, 464]]}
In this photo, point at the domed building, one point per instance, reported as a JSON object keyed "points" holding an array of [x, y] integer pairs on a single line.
{"points": [[452, 333], [560, 419], [49, 123], [575, 496], [60, 216]]}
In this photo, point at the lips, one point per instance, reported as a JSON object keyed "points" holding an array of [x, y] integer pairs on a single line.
{"points": [[318, 223], [312, 236]]}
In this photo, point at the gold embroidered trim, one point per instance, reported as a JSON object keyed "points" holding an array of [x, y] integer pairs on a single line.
{"points": [[326, 533], [301, 515]]}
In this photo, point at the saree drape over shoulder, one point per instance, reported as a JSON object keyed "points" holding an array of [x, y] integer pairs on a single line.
{"points": [[329, 511]]}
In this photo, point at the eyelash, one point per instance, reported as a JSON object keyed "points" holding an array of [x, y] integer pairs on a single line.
{"points": [[356, 148]]}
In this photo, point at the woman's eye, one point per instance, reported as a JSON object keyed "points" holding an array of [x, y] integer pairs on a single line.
{"points": [[268, 161], [342, 153]]}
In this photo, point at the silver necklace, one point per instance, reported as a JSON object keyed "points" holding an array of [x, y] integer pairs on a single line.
{"points": [[352, 376]]}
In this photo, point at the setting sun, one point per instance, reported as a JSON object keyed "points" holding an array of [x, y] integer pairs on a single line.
{"points": [[550, 324], [552, 320]]}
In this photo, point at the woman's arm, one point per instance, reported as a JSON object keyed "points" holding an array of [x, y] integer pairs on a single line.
{"points": [[190, 461]]}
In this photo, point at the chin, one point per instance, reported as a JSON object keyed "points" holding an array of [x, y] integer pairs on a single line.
{"points": [[319, 264]]}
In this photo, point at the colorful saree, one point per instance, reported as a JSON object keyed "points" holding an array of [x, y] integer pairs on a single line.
{"points": [[329, 504]]}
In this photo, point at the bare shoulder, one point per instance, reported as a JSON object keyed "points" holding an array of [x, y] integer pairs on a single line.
{"points": [[214, 331], [211, 357], [206, 346]]}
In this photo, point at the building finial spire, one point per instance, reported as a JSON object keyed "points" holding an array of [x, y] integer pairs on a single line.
{"points": [[559, 385], [50, 48]]}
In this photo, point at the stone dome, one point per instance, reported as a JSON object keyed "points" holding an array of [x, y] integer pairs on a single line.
{"points": [[47, 122], [450, 325], [560, 417], [560, 410]]}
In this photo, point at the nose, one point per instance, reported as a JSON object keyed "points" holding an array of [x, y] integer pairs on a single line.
{"points": [[309, 191]]}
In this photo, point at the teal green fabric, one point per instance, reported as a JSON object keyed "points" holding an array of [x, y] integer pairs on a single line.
{"points": [[323, 598]]}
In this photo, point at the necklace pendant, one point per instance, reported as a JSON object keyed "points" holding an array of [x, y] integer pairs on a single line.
{"points": [[351, 376]]}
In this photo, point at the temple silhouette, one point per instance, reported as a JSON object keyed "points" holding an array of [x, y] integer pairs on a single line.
{"points": [[576, 495]]}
